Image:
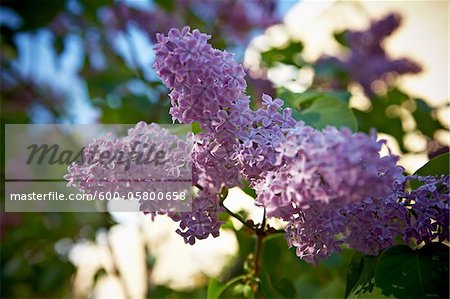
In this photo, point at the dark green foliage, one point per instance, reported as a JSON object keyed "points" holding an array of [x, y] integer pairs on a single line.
{"points": [[401, 272]]}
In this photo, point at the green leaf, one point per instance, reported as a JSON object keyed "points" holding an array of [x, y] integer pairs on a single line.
{"points": [[328, 111], [341, 37], [167, 5], [294, 99], [353, 273], [425, 121], [132, 109], [247, 189], [267, 286], [286, 288], [407, 273], [437, 166], [377, 118], [375, 294], [282, 288], [320, 109], [196, 129], [287, 55], [216, 288], [360, 274]]}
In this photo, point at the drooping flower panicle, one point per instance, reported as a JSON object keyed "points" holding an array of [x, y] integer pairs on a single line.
{"points": [[367, 62], [331, 185]]}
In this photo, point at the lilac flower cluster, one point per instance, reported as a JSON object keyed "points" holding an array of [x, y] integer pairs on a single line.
{"points": [[266, 130], [326, 166], [418, 216], [203, 80], [332, 186], [368, 62], [238, 18], [120, 171], [428, 208], [373, 224], [207, 86], [331, 183], [312, 231], [202, 221]]}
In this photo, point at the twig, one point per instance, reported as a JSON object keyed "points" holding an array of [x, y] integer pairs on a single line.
{"points": [[245, 223], [261, 232], [258, 252]]}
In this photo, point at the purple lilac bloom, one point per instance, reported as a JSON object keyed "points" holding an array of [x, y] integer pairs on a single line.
{"points": [[92, 175], [368, 62], [125, 169], [293, 167], [326, 166], [333, 182], [429, 210], [373, 224], [208, 87], [202, 221], [212, 167], [332, 186], [313, 232], [258, 141], [326, 183], [204, 81]]}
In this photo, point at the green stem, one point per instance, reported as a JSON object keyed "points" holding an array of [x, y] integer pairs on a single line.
{"points": [[236, 216], [258, 251], [260, 231], [222, 195]]}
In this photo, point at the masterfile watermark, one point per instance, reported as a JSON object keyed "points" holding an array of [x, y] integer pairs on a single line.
{"points": [[54, 154], [122, 173]]}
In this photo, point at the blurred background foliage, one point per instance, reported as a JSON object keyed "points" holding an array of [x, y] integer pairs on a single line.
{"points": [[86, 61]]}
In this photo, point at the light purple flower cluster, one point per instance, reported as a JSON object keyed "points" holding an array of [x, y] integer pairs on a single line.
{"points": [[258, 141], [326, 166], [207, 86], [202, 221], [418, 216], [127, 165], [312, 231], [238, 18], [429, 210], [368, 62], [373, 224], [213, 169], [318, 230], [332, 186], [205, 82]]}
